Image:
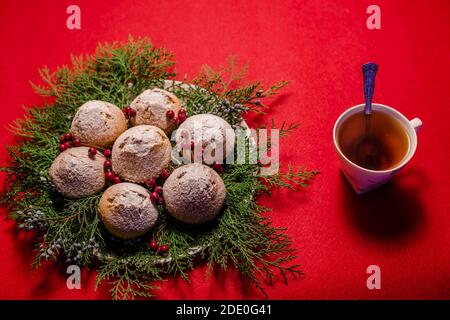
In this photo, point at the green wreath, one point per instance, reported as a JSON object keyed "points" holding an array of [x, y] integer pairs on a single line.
{"points": [[70, 231]]}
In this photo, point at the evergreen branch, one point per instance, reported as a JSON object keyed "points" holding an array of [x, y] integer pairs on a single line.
{"points": [[293, 177]]}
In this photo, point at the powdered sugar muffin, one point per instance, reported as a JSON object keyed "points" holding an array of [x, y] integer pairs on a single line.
{"points": [[151, 108], [212, 132], [194, 193], [98, 123], [76, 174], [127, 211], [141, 153]]}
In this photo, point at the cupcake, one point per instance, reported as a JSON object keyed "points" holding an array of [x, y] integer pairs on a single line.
{"points": [[76, 174], [209, 132], [151, 108], [141, 153], [127, 211], [98, 123], [194, 193]]}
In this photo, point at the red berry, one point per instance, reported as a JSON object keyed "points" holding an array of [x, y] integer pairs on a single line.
{"points": [[62, 138], [68, 136], [117, 179], [67, 144], [182, 112], [154, 196], [153, 245], [160, 200], [107, 164], [150, 182], [109, 175], [92, 151], [132, 112], [170, 114], [107, 153], [181, 117], [164, 174], [76, 142], [126, 111], [158, 190], [218, 167], [62, 147], [164, 248]]}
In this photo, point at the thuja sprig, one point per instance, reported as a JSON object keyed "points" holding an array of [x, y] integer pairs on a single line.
{"points": [[228, 85], [129, 276], [290, 179], [116, 73]]}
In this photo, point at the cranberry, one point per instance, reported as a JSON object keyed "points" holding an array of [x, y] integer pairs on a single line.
{"points": [[76, 142], [170, 114], [92, 151], [109, 175], [107, 153]]}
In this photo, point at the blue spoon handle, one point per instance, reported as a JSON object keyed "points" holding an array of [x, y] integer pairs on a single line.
{"points": [[369, 72]]}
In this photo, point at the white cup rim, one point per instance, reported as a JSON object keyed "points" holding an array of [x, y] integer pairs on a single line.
{"points": [[378, 106]]}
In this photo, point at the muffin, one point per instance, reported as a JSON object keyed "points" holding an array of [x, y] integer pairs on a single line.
{"points": [[127, 211], [98, 123], [194, 193], [76, 174], [141, 153], [151, 108], [211, 132]]}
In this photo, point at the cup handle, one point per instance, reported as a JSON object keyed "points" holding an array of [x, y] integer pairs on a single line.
{"points": [[416, 123]]}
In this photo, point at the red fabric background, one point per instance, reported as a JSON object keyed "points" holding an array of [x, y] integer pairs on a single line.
{"points": [[320, 46]]}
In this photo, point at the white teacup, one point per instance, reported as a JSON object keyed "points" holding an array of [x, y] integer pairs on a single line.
{"points": [[362, 179]]}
